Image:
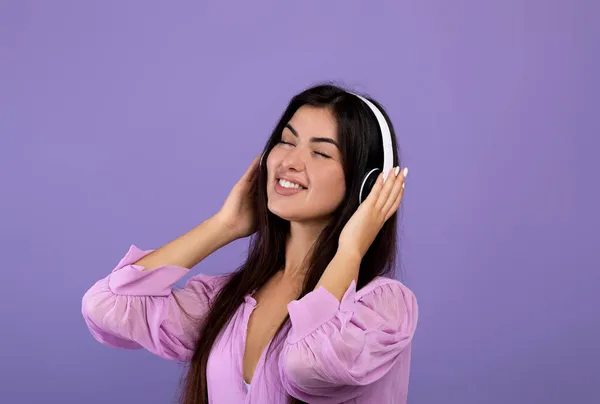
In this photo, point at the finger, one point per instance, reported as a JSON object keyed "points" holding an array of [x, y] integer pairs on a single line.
{"points": [[251, 169], [376, 190], [396, 190], [387, 188], [394, 208]]}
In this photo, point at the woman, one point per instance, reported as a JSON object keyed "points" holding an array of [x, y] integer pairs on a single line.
{"points": [[314, 314]]}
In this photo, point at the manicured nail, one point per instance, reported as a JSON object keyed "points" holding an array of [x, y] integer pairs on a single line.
{"points": [[396, 171], [405, 172], [403, 185]]}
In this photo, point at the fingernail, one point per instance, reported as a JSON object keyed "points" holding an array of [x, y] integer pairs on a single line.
{"points": [[405, 172], [403, 185], [396, 171]]}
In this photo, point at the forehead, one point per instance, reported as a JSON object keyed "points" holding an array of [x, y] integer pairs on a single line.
{"points": [[314, 122]]}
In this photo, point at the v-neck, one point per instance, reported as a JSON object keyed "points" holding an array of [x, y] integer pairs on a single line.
{"points": [[252, 303]]}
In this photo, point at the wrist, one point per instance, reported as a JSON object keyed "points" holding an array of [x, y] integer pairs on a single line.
{"points": [[351, 255], [224, 228]]}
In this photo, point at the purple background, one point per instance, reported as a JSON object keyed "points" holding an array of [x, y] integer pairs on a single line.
{"points": [[128, 122]]}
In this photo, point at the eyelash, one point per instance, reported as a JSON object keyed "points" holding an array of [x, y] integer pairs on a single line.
{"points": [[318, 153]]}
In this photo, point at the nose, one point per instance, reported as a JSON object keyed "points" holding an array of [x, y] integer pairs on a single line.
{"points": [[294, 160]]}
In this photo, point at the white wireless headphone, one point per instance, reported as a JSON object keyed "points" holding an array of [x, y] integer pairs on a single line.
{"points": [[388, 153]]}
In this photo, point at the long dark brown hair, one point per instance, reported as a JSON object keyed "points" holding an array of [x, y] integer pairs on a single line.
{"points": [[361, 149]]}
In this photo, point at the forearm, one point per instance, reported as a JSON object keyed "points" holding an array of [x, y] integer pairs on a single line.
{"points": [[190, 248], [340, 273]]}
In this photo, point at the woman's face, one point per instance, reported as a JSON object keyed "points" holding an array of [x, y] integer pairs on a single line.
{"points": [[305, 173]]}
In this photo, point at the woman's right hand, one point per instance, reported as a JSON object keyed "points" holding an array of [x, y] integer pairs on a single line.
{"points": [[236, 214]]}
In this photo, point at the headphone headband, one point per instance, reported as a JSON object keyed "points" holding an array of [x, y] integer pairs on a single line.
{"points": [[386, 137]]}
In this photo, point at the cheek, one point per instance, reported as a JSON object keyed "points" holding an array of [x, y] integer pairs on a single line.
{"points": [[331, 184], [271, 162]]}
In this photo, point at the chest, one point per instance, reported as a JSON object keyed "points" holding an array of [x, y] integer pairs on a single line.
{"points": [[263, 323]]}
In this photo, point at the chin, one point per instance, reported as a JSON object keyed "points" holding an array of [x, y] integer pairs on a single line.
{"points": [[291, 215], [296, 214]]}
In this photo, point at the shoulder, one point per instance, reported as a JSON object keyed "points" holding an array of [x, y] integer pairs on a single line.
{"points": [[387, 288], [207, 284], [390, 299]]}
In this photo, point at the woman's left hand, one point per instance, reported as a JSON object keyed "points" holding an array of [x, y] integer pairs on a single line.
{"points": [[381, 203]]}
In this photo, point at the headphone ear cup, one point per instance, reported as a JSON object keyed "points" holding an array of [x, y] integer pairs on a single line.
{"points": [[368, 182]]}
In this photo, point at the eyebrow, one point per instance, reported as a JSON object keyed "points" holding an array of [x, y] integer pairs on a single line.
{"points": [[315, 139]]}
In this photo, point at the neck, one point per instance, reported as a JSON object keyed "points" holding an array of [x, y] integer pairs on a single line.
{"points": [[300, 240]]}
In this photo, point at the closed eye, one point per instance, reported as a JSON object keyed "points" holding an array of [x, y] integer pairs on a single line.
{"points": [[291, 144]]}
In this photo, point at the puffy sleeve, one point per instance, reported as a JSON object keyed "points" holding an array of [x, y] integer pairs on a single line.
{"points": [[335, 348], [134, 309]]}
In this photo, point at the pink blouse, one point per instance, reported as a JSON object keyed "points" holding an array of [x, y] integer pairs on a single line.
{"points": [[356, 351]]}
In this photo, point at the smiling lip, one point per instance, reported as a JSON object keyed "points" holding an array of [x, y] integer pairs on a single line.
{"points": [[287, 191], [295, 181]]}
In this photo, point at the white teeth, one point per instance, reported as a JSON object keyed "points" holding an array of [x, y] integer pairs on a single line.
{"points": [[288, 184]]}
